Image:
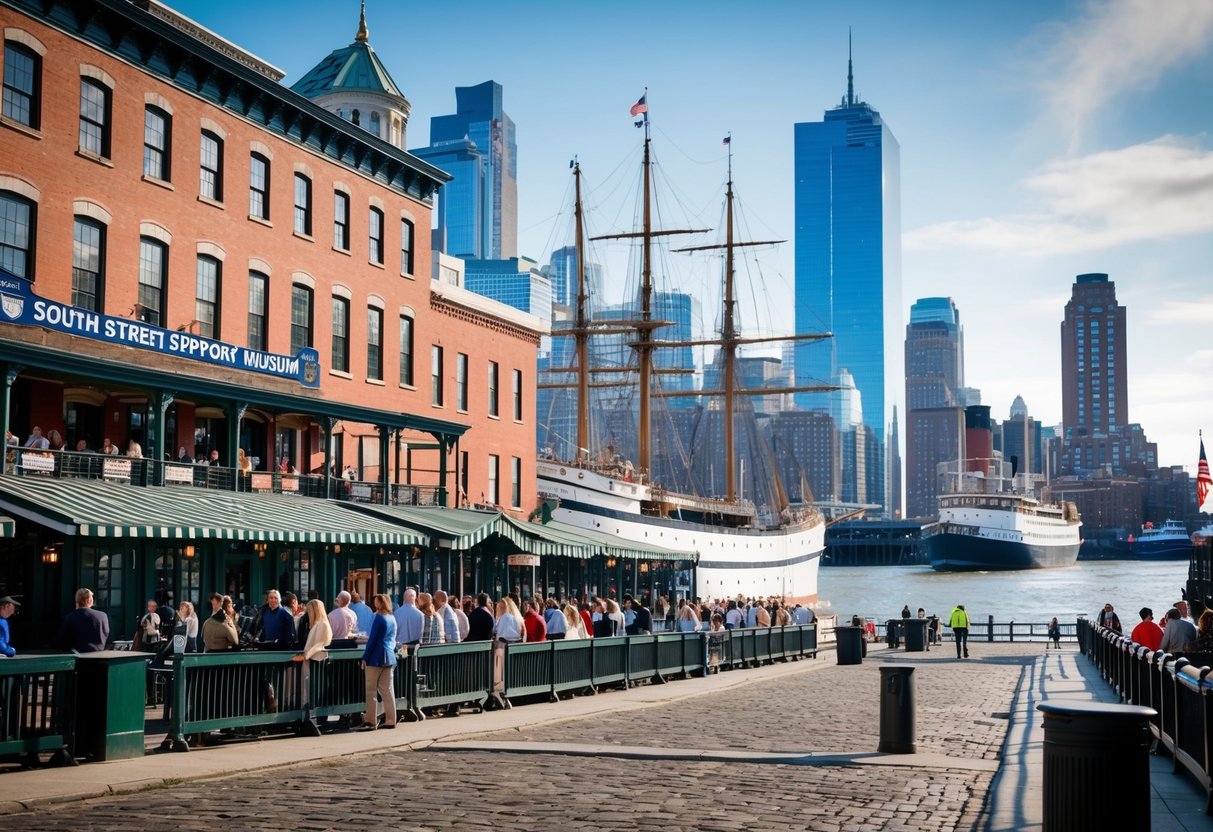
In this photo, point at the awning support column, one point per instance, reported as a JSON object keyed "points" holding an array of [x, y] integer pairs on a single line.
{"points": [[235, 419], [327, 423], [160, 402], [385, 437], [11, 371]]}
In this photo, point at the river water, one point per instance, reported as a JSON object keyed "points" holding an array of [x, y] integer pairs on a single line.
{"points": [[1031, 595]]}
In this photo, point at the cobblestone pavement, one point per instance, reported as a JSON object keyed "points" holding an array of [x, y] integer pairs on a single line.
{"points": [[962, 710], [829, 709]]}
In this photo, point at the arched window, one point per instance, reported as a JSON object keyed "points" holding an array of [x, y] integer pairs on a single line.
{"points": [[95, 117], [88, 264], [17, 217], [22, 84], [375, 122], [157, 143]]}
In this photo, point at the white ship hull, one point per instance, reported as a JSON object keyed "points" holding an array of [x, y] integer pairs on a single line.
{"points": [[976, 538], [782, 561]]}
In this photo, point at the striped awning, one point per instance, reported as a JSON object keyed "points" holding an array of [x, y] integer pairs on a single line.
{"points": [[613, 546], [8, 527], [465, 528], [91, 508], [462, 527]]}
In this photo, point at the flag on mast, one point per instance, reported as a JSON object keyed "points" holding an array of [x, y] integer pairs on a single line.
{"points": [[1203, 481], [640, 106]]}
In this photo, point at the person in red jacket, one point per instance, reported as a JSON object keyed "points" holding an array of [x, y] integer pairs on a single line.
{"points": [[1147, 633], [536, 630]]}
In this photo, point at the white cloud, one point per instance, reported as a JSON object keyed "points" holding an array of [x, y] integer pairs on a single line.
{"points": [[1148, 191], [1192, 311], [1117, 47]]}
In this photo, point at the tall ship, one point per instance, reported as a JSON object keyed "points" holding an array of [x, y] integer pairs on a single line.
{"points": [[989, 521], [1170, 541], [750, 540]]}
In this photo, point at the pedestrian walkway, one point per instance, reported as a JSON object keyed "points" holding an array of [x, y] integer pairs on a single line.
{"points": [[1016, 796], [784, 746]]}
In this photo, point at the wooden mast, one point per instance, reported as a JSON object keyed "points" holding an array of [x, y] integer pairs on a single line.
{"points": [[582, 335], [728, 335], [644, 349]]}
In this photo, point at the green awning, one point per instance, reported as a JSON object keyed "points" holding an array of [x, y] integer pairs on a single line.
{"points": [[8, 527], [464, 528], [92, 508], [609, 544]]}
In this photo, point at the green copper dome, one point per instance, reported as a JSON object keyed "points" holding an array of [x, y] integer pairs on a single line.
{"points": [[355, 68]]}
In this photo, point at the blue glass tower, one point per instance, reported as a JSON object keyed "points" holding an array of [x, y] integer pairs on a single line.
{"points": [[848, 267], [483, 213], [461, 203]]}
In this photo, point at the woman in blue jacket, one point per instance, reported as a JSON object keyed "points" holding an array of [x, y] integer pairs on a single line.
{"points": [[379, 662]]}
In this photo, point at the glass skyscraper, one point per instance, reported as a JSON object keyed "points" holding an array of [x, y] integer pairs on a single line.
{"points": [[848, 267], [482, 211]]}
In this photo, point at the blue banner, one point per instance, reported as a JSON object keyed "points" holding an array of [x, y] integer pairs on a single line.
{"points": [[20, 305]]}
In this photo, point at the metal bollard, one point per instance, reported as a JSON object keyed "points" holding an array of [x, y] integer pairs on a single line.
{"points": [[896, 710], [1096, 766]]}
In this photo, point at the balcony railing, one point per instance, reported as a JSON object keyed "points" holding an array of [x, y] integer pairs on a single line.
{"points": [[141, 471]]}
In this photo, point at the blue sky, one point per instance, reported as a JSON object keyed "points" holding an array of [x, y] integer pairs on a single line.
{"points": [[1039, 140]]}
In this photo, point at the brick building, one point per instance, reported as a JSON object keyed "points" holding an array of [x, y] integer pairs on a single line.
{"points": [[200, 262]]}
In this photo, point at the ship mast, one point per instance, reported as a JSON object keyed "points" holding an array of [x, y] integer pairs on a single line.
{"points": [[644, 349], [582, 335], [728, 343], [644, 343]]}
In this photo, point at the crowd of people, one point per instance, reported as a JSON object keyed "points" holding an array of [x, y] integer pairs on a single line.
{"points": [[1183, 628]]}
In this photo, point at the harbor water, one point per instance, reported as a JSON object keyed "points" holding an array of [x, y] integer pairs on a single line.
{"points": [[1030, 595]]}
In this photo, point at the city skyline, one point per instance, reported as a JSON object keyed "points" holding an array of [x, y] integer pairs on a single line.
{"points": [[1039, 141]]}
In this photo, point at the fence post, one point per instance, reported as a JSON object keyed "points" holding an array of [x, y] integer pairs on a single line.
{"points": [[990, 630], [1011, 630], [177, 735]]}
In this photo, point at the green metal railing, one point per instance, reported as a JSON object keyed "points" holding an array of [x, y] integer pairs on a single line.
{"points": [[213, 691], [37, 706], [1178, 687]]}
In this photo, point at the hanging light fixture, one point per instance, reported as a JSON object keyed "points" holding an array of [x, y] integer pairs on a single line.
{"points": [[50, 555], [189, 551], [610, 563]]}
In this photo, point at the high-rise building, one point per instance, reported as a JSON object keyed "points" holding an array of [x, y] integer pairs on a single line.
{"points": [[809, 453], [477, 222], [848, 260], [1094, 371], [562, 271], [935, 399], [516, 282]]}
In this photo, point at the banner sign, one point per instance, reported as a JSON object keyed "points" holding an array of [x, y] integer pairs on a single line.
{"points": [[20, 305], [522, 560]]}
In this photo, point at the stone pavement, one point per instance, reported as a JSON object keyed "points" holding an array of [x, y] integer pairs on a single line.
{"points": [[787, 746]]}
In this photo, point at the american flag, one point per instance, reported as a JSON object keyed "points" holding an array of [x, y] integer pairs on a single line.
{"points": [[640, 106], [1203, 481], [727, 140]]}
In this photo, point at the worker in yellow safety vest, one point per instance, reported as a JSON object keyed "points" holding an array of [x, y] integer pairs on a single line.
{"points": [[959, 622]]}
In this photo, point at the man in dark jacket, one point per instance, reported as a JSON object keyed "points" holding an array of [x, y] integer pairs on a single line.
{"points": [[84, 630], [480, 620], [274, 623]]}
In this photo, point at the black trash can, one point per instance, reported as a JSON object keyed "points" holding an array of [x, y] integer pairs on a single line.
{"points": [[1096, 766], [850, 644], [892, 632], [916, 635], [896, 710]]}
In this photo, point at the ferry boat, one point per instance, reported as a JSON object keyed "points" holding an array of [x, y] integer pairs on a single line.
{"points": [[763, 547], [984, 525], [1170, 541]]}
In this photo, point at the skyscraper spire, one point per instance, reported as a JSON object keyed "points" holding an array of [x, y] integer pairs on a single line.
{"points": [[850, 74], [363, 35]]}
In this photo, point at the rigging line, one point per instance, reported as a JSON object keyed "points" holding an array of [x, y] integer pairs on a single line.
{"points": [[689, 158]]}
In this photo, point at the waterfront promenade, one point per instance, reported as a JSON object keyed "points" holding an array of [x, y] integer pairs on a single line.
{"points": [[784, 746]]}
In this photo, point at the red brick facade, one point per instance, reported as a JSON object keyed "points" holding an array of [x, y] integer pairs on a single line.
{"points": [[47, 167]]}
